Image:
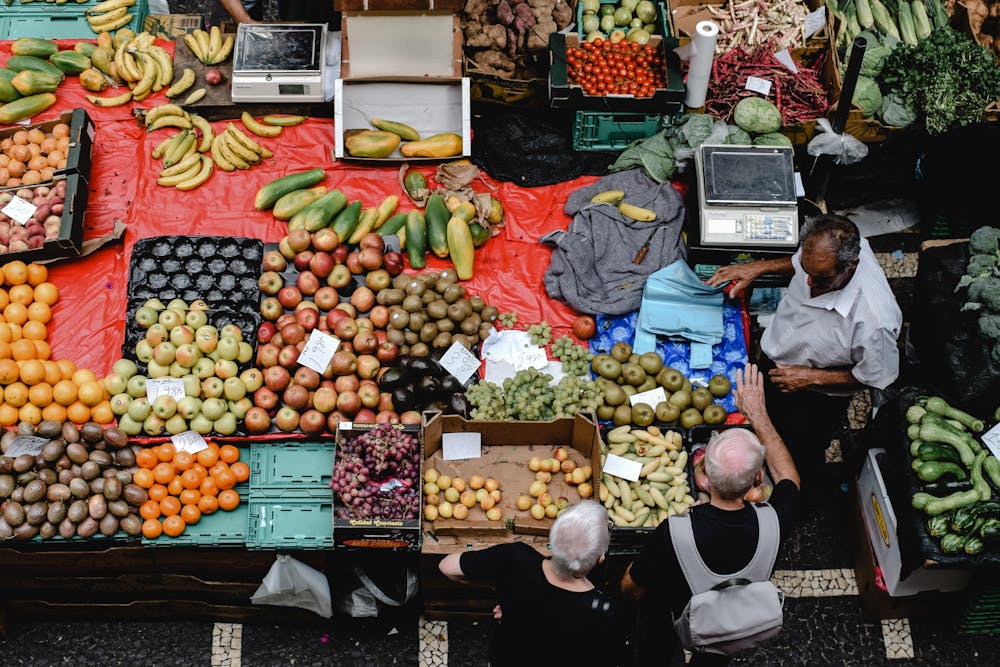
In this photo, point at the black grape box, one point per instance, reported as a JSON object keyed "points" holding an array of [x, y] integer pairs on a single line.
{"points": [[376, 533]]}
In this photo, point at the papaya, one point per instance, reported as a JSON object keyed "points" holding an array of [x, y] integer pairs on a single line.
{"points": [[32, 46], [480, 234], [86, 48], [445, 144], [393, 224], [404, 131], [416, 239], [70, 62], [465, 210], [415, 185], [461, 247], [7, 74], [8, 93], [93, 80], [370, 143], [436, 218], [365, 224], [102, 59], [26, 107], [347, 220], [31, 82], [21, 63], [317, 215], [273, 191], [296, 200]]}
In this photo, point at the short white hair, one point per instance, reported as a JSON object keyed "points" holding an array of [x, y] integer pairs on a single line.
{"points": [[732, 460], [578, 538]]}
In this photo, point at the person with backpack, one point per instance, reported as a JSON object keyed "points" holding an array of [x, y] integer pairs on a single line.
{"points": [[545, 598], [707, 572]]}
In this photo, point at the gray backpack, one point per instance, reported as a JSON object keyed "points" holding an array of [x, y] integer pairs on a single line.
{"points": [[729, 613]]}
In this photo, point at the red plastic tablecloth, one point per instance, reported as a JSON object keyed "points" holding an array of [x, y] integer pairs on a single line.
{"points": [[89, 318]]}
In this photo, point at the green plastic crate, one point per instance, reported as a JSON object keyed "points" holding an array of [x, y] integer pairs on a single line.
{"points": [[67, 21], [221, 529], [600, 131], [290, 465], [981, 615], [280, 522]]}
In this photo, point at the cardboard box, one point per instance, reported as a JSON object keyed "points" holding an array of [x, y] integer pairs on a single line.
{"points": [[396, 5], [685, 15], [488, 86], [880, 522], [70, 240], [172, 26], [507, 448], [373, 533], [81, 139], [406, 67]]}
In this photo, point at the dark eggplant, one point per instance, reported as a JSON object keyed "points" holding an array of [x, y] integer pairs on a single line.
{"points": [[421, 366], [451, 385], [428, 386], [403, 398], [459, 404], [392, 378]]}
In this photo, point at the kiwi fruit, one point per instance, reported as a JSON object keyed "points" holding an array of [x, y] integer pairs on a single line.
{"points": [[131, 525], [478, 303], [442, 341], [115, 437], [437, 309], [391, 297], [453, 293], [92, 432], [134, 495], [47, 530], [56, 512], [411, 337], [48, 429], [445, 325], [24, 463], [67, 529], [77, 453], [419, 350], [101, 457], [52, 451], [97, 506], [13, 514], [428, 332], [34, 491], [6, 486], [25, 532], [70, 433], [36, 513], [415, 287], [490, 314], [77, 511], [87, 528], [417, 321], [412, 304], [428, 297]]}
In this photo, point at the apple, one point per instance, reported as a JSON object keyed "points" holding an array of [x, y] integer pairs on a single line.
{"points": [[312, 422], [287, 418], [289, 356], [353, 263], [386, 352], [343, 362], [392, 261], [340, 254], [372, 240], [277, 378], [348, 403], [292, 333], [365, 342], [368, 393], [363, 298], [295, 396], [386, 417], [308, 283], [584, 327], [289, 296], [321, 264], [325, 240], [257, 420], [378, 280], [379, 316], [285, 248], [265, 332], [270, 282], [299, 240], [346, 383], [274, 261], [270, 308], [252, 379], [364, 416], [302, 259], [385, 401], [340, 276], [308, 318], [335, 316], [326, 298], [212, 387], [265, 397], [368, 366], [304, 305], [410, 417], [203, 368], [325, 399], [267, 355], [306, 377], [345, 328], [348, 308], [286, 318], [370, 258]]}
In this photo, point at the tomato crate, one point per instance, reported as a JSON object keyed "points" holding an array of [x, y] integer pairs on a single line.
{"points": [[598, 131], [219, 529], [279, 522], [291, 465], [67, 21]]}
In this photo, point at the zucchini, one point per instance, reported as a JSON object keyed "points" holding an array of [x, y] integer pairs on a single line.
{"points": [[915, 413], [939, 406], [991, 467], [270, 193], [937, 526], [345, 221], [964, 520], [990, 531], [973, 545], [26, 107], [941, 489], [416, 239], [955, 501], [920, 500], [436, 217], [933, 432], [978, 482], [931, 471], [934, 451], [21, 63], [951, 543]]}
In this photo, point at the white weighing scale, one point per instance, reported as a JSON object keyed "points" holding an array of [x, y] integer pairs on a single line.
{"points": [[275, 62], [747, 196]]}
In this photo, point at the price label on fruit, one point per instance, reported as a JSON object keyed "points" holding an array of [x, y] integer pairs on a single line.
{"points": [[189, 441], [318, 351], [26, 444], [19, 209], [173, 387], [459, 362], [991, 438], [619, 466], [650, 398]]}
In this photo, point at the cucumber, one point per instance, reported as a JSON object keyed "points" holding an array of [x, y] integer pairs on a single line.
{"points": [[935, 451], [416, 239], [270, 193], [346, 221], [436, 217]]}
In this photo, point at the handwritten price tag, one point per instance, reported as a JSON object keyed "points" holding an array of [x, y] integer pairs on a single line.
{"points": [[619, 466], [170, 386], [318, 351], [758, 85], [650, 398], [531, 357], [456, 446], [815, 21], [189, 441], [991, 438], [26, 444], [459, 362], [19, 209]]}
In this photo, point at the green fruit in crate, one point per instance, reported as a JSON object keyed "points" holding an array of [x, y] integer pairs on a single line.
{"points": [[629, 4], [597, 34], [189, 407], [667, 412], [136, 387], [691, 418], [214, 408], [590, 23], [129, 425], [650, 28], [591, 6], [226, 424], [165, 406], [714, 414], [152, 425], [120, 404], [607, 9], [646, 11], [125, 367], [622, 416], [642, 414], [622, 16], [701, 398], [635, 24], [639, 36], [139, 408], [201, 424], [175, 425], [607, 22]]}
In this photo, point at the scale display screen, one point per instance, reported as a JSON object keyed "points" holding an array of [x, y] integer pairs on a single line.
{"points": [[279, 48], [748, 175]]}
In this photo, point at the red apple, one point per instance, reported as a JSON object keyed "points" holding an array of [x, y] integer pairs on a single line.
{"points": [[365, 342], [287, 419], [325, 399], [349, 403], [276, 378], [372, 240], [386, 352], [302, 260], [257, 420], [295, 396], [289, 296], [379, 316], [306, 377], [347, 308], [385, 401], [353, 263], [325, 240], [340, 276], [285, 248], [343, 362], [321, 264], [340, 254], [307, 282], [378, 280], [307, 304], [265, 397], [292, 333], [370, 258], [308, 318], [312, 422], [333, 420], [584, 327], [364, 416], [346, 383], [368, 366], [345, 328], [335, 316], [270, 282], [270, 308], [363, 298], [267, 355], [289, 356], [299, 240], [369, 394], [274, 261], [393, 263], [387, 417], [326, 297], [265, 332], [286, 318], [410, 417]]}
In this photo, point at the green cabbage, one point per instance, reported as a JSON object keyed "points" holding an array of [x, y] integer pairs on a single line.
{"points": [[738, 136], [867, 96], [772, 139], [875, 54], [895, 112], [757, 115]]}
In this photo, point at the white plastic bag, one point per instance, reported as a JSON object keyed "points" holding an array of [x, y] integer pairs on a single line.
{"points": [[292, 583], [845, 148], [363, 602]]}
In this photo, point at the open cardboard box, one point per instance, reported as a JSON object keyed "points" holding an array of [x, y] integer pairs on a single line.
{"points": [[405, 67], [506, 450]]}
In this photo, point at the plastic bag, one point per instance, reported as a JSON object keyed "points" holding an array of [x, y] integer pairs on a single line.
{"points": [[718, 135], [363, 602], [292, 583], [844, 148]]}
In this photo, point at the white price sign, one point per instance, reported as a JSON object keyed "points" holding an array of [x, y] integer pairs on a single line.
{"points": [[785, 58], [652, 398], [455, 446], [189, 441], [26, 444], [531, 357], [170, 386], [992, 440], [459, 362], [619, 466], [319, 350], [758, 85], [815, 21], [19, 209]]}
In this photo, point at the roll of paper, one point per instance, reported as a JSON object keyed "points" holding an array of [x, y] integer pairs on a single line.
{"points": [[700, 67]]}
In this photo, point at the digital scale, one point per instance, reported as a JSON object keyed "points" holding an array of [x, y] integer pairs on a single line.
{"points": [[276, 62], [746, 196]]}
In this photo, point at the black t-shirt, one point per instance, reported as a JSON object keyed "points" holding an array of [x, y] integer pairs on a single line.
{"points": [[536, 613], [726, 540]]}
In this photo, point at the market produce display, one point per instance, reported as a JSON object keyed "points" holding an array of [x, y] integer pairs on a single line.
{"points": [[377, 474], [752, 24], [453, 498], [110, 15], [509, 37], [627, 20], [529, 396], [605, 67], [982, 278], [905, 21], [209, 46], [391, 135], [70, 481], [30, 156], [956, 476], [45, 223], [135, 59]]}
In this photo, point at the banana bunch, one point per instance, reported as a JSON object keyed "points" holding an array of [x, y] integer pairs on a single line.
{"points": [[109, 15], [233, 149], [144, 66], [615, 198], [209, 47], [662, 489], [184, 165]]}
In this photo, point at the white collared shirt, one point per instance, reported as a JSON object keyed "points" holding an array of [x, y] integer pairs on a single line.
{"points": [[854, 327]]}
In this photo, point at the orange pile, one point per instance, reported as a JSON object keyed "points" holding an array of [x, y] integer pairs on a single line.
{"points": [[183, 486], [33, 386]]}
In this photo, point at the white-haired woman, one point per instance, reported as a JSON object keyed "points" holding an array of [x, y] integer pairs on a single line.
{"points": [[546, 598]]}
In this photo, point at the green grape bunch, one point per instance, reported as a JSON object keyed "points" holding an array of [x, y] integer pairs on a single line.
{"points": [[575, 359], [541, 334], [576, 394]]}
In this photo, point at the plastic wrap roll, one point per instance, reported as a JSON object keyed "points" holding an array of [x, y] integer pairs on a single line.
{"points": [[700, 68]]}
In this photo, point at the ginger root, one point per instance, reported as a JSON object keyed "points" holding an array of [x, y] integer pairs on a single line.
{"points": [[494, 62]]}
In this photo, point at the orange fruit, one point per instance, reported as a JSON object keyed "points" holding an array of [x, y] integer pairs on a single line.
{"points": [[37, 274], [46, 293], [164, 472], [191, 479], [200, 469], [190, 514], [175, 487], [78, 413], [52, 373], [4, 299], [208, 457], [225, 479], [190, 496], [9, 372], [64, 392], [5, 350], [150, 510], [15, 394], [229, 500], [170, 506], [183, 460], [158, 492], [146, 458], [15, 331], [23, 349], [16, 313], [208, 487], [30, 413], [40, 394], [217, 468], [166, 451], [143, 478], [34, 330], [151, 529], [82, 376], [39, 312], [54, 412], [42, 349], [174, 526], [90, 393], [32, 372], [102, 413], [229, 454], [8, 415], [22, 294], [16, 272], [67, 368], [208, 505], [241, 470]]}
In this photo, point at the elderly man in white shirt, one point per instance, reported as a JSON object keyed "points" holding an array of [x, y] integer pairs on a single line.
{"points": [[834, 333]]}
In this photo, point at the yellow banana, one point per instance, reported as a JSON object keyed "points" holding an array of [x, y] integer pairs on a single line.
{"points": [[195, 47], [244, 153], [163, 147], [164, 65], [200, 177], [183, 166], [608, 197], [182, 150], [202, 38], [245, 140], [163, 110], [214, 39], [149, 74], [108, 17], [194, 97], [109, 5], [217, 156], [284, 121], [173, 148], [181, 177], [170, 121], [106, 102], [114, 25], [259, 128], [143, 40], [636, 212], [186, 81], [223, 52], [207, 133], [132, 71], [230, 156], [264, 153]]}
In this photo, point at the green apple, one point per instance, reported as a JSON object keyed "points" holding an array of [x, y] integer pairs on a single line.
{"points": [[181, 334], [189, 407], [146, 317], [156, 334], [143, 351], [139, 409], [154, 303], [226, 424], [192, 385], [225, 369], [245, 354], [181, 304], [201, 424], [153, 425], [120, 403], [129, 425], [178, 371], [187, 354], [125, 367], [175, 425], [233, 389], [232, 331], [155, 370], [206, 338], [136, 388], [252, 379], [165, 353], [214, 408], [204, 368], [196, 319], [115, 383], [165, 406], [211, 387], [228, 348], [240, 407]]}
